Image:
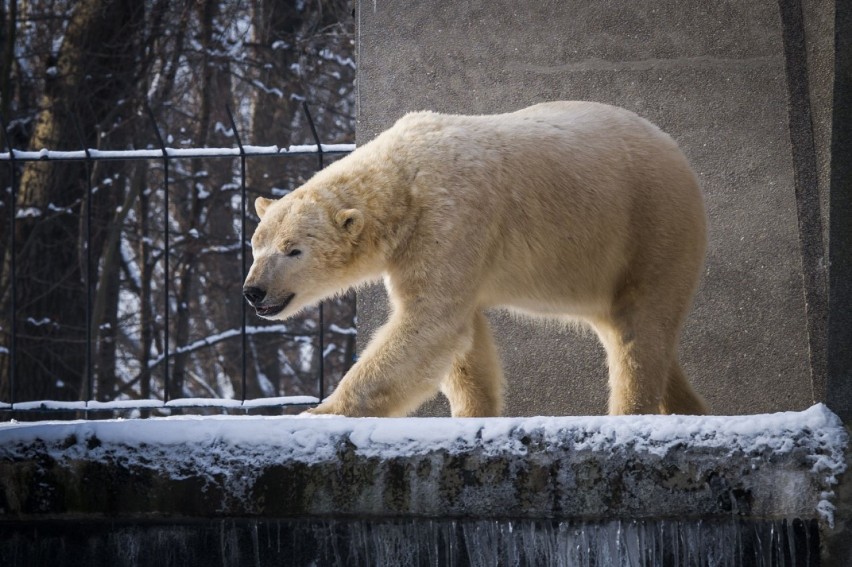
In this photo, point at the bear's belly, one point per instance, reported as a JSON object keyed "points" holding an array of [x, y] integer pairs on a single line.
{"points": [[557, 305]]}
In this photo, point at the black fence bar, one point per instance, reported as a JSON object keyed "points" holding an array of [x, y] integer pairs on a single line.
{"points": [[321, 314], [243, 252], [90, 382], [166, 252], [13, 306], [314, 133]]}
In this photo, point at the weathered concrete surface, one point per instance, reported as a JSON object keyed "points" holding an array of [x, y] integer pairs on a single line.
{"points": [[762, 467], [735, 83]]}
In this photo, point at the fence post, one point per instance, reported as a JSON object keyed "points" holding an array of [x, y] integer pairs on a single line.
{"points": [[166, 252], [321, 317], [243, 252]]}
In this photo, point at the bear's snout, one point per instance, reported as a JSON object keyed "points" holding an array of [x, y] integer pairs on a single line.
{"points": [[254, 295]]}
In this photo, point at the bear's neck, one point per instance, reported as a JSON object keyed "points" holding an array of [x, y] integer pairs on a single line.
{"points": [[381, 190]]}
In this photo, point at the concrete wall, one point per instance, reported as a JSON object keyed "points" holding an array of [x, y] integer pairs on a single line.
{"points": [[287, 491], [737, 84], [579, 468]]}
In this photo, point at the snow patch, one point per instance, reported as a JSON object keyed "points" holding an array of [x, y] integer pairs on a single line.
{"points": [[122, 404], [280, 401], [334, 328], [49, 405], [27, 212], [224, 403]]}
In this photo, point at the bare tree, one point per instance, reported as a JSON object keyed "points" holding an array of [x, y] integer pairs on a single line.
{"points": [[96, 66]]}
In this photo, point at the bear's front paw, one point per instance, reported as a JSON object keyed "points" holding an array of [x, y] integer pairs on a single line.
{"points": [[325, 409]]}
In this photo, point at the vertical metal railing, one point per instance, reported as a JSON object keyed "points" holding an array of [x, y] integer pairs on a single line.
{"points": [[166, 254], [321, 313], [243, 251]]}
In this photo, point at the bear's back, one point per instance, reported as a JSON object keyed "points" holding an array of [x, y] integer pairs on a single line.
{"points": [[545, 189]]}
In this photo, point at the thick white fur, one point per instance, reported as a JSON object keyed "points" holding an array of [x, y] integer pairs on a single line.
{"points": [[563, 210]]}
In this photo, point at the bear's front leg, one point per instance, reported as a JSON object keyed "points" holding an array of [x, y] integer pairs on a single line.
{"points": [[401, 368], [474, 386]]}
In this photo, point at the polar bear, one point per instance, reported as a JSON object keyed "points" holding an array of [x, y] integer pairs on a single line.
{"points": [[574, 211]]}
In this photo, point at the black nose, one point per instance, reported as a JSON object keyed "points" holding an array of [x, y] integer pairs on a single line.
{"points": [[254, 294]]}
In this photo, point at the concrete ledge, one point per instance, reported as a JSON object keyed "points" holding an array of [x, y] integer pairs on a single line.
{"points": [[769, 467]]}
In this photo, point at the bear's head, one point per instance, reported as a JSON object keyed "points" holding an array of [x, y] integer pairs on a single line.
{"points": [[304, 251]]}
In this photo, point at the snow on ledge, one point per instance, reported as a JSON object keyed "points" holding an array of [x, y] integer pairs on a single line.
{"points": [[386, 437], [253, 442], [117, 405]]}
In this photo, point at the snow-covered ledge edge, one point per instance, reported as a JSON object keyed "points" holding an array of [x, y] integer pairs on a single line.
{"points": [[762, 466]]}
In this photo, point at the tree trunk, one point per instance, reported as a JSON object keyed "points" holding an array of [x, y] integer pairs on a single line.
{"points": [[7, 57], [94, 70], [214, 93]]}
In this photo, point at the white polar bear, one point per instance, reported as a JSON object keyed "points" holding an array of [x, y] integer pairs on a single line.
{"points": [[565, 210]]}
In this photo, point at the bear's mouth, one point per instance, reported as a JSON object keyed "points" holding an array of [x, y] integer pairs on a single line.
{"points": [[275, 309]]}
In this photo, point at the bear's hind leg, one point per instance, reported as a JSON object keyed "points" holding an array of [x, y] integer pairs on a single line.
{"points": [[475, 383], [680, 398], [638, 356]]}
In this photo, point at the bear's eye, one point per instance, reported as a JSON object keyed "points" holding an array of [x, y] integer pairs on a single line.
{"points": [[294, 252]]}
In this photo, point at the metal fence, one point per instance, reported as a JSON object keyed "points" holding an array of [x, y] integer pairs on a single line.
{"points": [[166, 155]]}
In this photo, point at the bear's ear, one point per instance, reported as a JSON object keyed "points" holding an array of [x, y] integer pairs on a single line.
{"points": [[260, 205], [350, 220]]}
